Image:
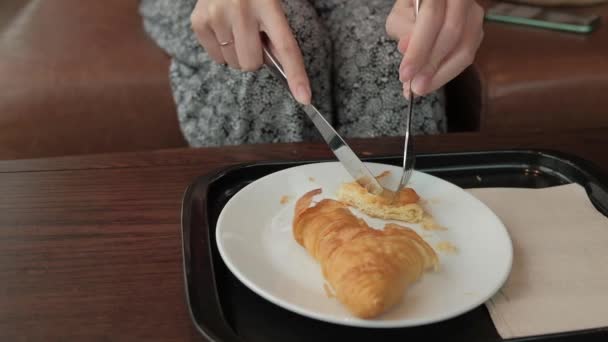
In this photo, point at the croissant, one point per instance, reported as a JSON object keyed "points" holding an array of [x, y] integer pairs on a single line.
{"points": [[368, 269]]}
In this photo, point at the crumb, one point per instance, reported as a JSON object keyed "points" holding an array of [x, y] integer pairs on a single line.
{"points": [[434, 201], [328, 291], [429, 223], [469, 293], [446, 247], [284, 199], [311, 179], [383, 174], [366, 153], [478, 178], [427, 236]]}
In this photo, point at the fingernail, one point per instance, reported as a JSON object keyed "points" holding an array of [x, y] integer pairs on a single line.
{"points": [[406, 90], [407, 72], [303, 94], [420, 84]]}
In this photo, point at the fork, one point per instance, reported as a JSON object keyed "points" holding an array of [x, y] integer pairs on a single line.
{"points": [[409, 160]]}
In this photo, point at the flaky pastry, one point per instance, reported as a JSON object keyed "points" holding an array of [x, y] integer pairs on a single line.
{"points": [[404, 207]]}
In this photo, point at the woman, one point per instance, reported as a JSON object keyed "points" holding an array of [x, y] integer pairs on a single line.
{"points": [[354, 59]]}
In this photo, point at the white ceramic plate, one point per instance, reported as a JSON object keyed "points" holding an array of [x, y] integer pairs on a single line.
{"points": [[255, 240]]}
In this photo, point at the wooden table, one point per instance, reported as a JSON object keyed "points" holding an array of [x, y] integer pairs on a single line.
{"points": [[90, 246]]}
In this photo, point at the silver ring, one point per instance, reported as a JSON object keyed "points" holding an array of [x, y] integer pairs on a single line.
{"points": [[226, 43]]}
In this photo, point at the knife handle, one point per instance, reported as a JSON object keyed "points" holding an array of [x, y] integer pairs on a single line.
{"points": [[275, 67]]}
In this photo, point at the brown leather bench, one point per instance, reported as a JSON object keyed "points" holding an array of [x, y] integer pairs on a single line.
{"points": [[539, 79], [82, 77]]}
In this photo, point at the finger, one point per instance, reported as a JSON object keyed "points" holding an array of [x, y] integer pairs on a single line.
{"points": [[205, 35], [402, 47], [208, 40], [228, 50], [456, 17], [404, 43], [460, 59], [426, 29], [248, 43], [400, 20], [220, 24], [406, 90], [288, 53]]}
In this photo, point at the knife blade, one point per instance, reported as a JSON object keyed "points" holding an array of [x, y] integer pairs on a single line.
{"points": [[347, 157]]}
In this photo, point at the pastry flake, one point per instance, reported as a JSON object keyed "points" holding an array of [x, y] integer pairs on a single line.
{"points": [[446, 247]]}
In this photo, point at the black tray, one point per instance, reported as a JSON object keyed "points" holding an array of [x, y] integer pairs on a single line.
{"points": [[223, 309]]}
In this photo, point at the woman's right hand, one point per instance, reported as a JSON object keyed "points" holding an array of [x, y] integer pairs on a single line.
{"points": [[230, 31]]}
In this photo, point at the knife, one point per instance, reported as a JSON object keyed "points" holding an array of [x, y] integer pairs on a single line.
{"points": [[353, 165]]}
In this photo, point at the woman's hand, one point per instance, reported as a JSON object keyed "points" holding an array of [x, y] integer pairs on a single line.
{"points": [[229, 30], [438, 44]]}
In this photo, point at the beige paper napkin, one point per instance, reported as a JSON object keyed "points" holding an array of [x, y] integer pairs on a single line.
{"points": [[559, 279]]}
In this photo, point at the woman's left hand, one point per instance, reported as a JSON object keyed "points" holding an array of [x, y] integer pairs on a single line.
{"points": [[438, 44]]}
